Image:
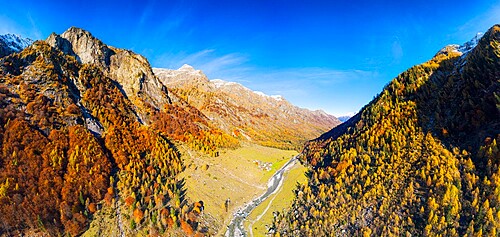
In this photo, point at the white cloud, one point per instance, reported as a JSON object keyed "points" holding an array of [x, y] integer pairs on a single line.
{"points": [[221, 63], [397, 51], [35, 32], [200, 56], [305, 83]]}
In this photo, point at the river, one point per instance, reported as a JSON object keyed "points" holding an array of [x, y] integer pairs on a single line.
{"points": [[235, 228]]}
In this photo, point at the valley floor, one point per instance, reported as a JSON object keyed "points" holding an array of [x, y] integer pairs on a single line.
{"points": [[258, 220], [239, 175]]}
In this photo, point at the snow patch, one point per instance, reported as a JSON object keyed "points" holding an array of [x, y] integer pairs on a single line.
{"points": [[218, 83], [468, 46], [185, 70], [260, 93], [186, 67], [275, 97]]}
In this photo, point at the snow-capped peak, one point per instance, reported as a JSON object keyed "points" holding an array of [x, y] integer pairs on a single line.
{"points": [[346, 116], [468, 46], [186, 67], [15, 42]]}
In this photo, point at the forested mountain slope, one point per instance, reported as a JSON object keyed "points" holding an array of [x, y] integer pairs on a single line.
{"points": [[87, 128], [420, 159]]}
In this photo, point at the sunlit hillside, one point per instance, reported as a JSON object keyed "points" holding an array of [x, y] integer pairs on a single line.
{"points": [[421, 159]]}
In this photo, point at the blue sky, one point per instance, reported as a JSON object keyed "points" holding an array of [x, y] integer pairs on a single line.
{"points": [[330, 55]]}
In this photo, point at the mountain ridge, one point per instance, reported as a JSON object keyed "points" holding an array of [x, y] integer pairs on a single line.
{"points": [[241, 111]]}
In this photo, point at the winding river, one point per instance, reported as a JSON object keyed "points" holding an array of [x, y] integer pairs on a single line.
{"points": [[235, 228]]}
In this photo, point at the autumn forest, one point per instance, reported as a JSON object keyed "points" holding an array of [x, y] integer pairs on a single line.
{"points": [[93, 143]]}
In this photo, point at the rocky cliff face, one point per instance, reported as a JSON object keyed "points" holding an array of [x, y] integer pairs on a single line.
{"points": [[132, 71], [269, 120]]}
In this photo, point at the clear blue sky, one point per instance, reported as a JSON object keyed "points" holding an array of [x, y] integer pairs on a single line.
{"points": [[330, 55]]}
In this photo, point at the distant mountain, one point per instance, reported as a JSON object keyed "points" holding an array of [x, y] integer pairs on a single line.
{"points": [[11, 43], [421, 159], [467, 47], [247, 114], [345, 117]]}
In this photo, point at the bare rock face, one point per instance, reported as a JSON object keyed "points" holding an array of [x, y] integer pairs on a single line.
{"points": [[132, 71], [86, 47]]}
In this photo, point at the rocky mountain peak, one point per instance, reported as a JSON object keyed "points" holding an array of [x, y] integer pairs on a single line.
{"points": [[83, 45], [132, 71], [77, 31], [490, 40], [468, 46], [463, 49]]}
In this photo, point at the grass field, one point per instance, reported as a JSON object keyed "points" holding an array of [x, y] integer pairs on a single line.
{"points": [[234, 175], [256, 222]]}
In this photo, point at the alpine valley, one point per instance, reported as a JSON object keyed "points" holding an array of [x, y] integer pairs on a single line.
{"points": [[94, 142]]}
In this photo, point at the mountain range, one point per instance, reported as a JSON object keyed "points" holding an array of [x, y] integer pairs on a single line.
{"points": [[344, 118], [421, 159], [89, 136]]}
